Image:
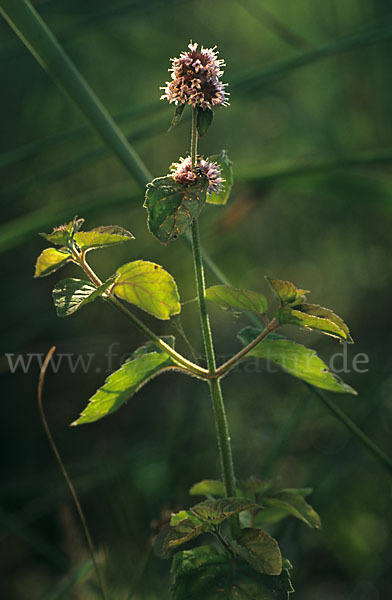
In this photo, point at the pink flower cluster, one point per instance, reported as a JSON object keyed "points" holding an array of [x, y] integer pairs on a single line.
{"points": [[195, 79], [182, 172]]}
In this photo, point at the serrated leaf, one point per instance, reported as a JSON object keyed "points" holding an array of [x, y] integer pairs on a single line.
{"points": [[208, 487], [177, 116], [205, 516], [149, 287], [121, 385], [205, 573], [259, 549], [226, 169], [239, 300], [172, 207], [61, 235], [106, 235], [50, 260], [204, 120], [313, 316], [286, 292], [296, 359], [71, 294], [216, 511], [293, 503]]}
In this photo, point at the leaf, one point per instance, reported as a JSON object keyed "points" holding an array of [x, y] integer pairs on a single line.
{"points": [[208, 487], [102, 236], [61, 235], [256, 487], [177, 116], [172, 207], [205, 516], [50, 260], [296, 359], [226, 169], [239, 300], [259, 549], [216, 511], [149, 287], [286, 292], [205, 573], [123, 384], [71, 294], [293, 503], [313, 316], [269, 515], [204, 120]]}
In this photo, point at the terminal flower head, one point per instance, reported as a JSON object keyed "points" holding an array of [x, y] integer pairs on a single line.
{"points": [[183, 173], [195, 79]]}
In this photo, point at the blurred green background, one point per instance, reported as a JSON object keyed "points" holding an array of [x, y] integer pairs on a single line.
{"points": [[309, 131]]}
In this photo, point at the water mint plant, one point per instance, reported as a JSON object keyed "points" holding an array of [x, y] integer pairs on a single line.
{"points": [[240, 560]]}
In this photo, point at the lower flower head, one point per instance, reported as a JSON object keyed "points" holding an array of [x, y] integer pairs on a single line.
{"points": [[183, 173], [195, 79]]}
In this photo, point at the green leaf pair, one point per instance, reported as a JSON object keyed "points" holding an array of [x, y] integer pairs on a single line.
{"points": [[69, 236], [172, 207], [295, 358], [205, 573], [294, 310], [254, 546], [276, 503], [142, 283], [204, 517]]}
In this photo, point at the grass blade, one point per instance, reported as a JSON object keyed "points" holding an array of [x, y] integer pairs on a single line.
{"points": [[36, 36]]}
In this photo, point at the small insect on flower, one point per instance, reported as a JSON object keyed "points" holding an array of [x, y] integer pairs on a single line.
{"points": [[182, 172], [195, 79]]}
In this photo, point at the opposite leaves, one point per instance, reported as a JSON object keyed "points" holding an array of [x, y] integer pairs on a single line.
{"points": [[99, 237], [204, 573], [276, 503], [188, 524], [294, 310], [172, 206]]}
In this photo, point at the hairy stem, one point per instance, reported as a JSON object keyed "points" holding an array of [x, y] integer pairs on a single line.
{"points": [[221, 425], [194, 138], [234, 360]]}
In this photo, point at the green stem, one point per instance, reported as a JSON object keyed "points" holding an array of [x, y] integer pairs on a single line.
{"points": [[200, 284], [234, 360], [221, 425], [194, 138]]}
